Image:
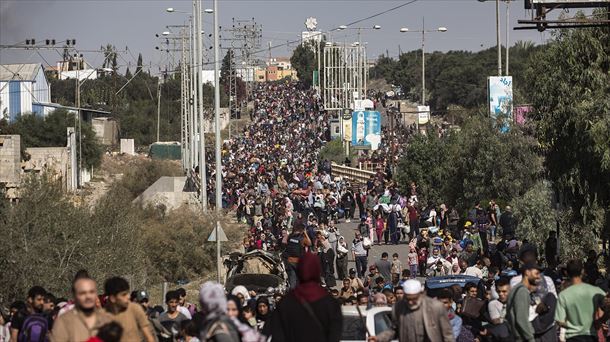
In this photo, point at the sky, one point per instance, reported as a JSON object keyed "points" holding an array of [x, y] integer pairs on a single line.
{"points": [[134, 23]]}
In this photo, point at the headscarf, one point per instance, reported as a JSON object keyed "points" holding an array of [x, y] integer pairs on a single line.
{"points": [[258, 315], [240, 289], [240, 307], [308, 273], [212, 299]]}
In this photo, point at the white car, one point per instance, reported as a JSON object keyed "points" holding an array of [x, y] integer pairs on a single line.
{"points": [[373, 321]]}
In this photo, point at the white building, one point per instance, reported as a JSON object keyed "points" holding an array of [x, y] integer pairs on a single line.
{"points": [[23, 89]]}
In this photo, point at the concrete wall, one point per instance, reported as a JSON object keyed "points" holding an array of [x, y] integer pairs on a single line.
{"points": [[106, 130], [10, 159], [55, 160], [167, 192]]}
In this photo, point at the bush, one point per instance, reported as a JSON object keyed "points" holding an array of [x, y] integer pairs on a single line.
{"points": [[46, 239], [144, 172], [333, 151], [477, 162]]}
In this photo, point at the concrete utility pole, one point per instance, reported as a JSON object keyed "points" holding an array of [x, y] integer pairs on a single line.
{"points": [[218, 142], [199, 68], [158, 106], [423, 62]]}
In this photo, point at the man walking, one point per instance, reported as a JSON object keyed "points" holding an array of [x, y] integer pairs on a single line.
{"points": [[518, 304], [417, 318], [129, 315], [84, 320], [31, 321], [295, 247], [384, 266], [359, 253], [578, 305]]}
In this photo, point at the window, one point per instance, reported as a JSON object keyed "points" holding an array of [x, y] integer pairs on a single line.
{"points": [[353, 329], [383, 322]]}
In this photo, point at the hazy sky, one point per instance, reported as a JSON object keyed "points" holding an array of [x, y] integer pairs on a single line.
{"points": [[133, 23]]}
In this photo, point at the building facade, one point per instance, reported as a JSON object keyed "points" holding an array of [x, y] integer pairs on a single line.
{"points": [[24, 88]]}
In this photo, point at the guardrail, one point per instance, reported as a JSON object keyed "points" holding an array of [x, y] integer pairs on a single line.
{"points": [[351, 173]]}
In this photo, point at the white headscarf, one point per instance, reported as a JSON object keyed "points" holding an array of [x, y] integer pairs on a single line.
{"points": [[213, 300], [240, 289]]}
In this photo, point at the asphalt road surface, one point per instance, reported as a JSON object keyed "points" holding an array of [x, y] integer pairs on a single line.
{"points": [[347, 230]]}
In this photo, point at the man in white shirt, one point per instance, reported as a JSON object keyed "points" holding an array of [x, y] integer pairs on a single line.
{"points": [[497, 307], [475, 270]]}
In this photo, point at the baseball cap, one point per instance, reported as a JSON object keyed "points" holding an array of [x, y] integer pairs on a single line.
{"points": [[352, 271]]}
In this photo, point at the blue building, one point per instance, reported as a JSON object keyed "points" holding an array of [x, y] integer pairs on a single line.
{"points": [[24, 88]]}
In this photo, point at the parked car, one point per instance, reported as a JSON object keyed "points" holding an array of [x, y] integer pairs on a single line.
{"points": [[258, 271], [373, 321]]}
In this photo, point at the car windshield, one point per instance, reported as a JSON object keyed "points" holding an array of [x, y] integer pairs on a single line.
{"points": [[353, 329]]}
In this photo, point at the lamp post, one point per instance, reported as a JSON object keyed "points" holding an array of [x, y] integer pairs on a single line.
{"points": [[423, 32], [498, 43], [218, 142]]}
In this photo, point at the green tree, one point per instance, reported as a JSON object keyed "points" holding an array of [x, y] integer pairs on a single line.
{"points": [[425, 164], [304, 61], [473, 164], [569, 88], [139, 64], [50, 131]]}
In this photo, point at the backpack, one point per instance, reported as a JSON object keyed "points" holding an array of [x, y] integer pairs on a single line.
{"points": [[34, 329]]}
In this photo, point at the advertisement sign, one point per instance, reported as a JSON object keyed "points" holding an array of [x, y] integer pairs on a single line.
{"points": [[500, 99], [423, 114], [366, 128], [347, 128]]}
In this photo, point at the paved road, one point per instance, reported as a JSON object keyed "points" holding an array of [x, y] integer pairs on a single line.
{"points": [[348, 230]]}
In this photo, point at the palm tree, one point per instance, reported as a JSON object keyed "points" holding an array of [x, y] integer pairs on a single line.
{"points": [[109, 55]]}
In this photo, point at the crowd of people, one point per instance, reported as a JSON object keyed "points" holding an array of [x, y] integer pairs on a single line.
{"points": [[275, 181]]}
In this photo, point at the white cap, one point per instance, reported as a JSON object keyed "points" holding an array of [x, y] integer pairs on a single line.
{"points": [[412, 286]]}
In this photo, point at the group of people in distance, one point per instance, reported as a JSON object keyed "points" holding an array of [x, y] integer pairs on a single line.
{"points": [[280, 185]]}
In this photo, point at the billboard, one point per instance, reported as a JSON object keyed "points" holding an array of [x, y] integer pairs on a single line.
{"points": [[347, 129], [566, 3], [366, 128], [500, 99]]}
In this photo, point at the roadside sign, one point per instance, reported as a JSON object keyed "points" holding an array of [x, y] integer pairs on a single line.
{"points": [[221, 233]]}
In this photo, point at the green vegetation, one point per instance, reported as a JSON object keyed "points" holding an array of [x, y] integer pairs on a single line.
{"points": [[555, 169], [455, 77], [333, 151], [570, 91], [135, 106], [36, 131], [46, 237], [475, 163], [304, 61]]}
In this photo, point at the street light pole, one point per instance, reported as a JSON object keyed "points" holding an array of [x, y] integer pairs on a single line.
{"points": [[199, 67], [423, 64], [218, 142], [507, 29], [498, 37]]}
